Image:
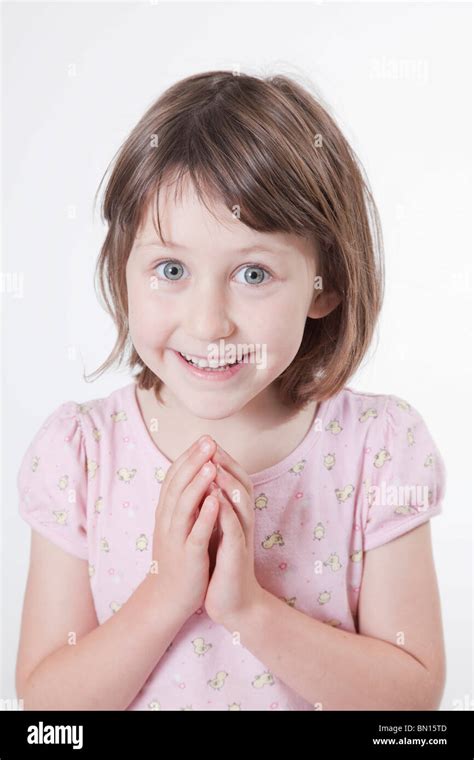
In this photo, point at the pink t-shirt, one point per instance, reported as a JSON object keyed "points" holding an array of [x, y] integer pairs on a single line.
{"points": [[367, 471]]}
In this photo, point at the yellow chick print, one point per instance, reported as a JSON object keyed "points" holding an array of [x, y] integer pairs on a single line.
{"points": [[35, 464], [404, 510], [60, 517], [262, 680], [63, 482], [219, 680], [115, 606], [141, 544], [381, 457], [368, 414], [97, 434], [187, 708], [160, 474], [200, 647], [324, 597], [403, 405], [429, 461], [154, 705], [104, 545], [319, 532], [329, 461], [274, 539], [333, 562], [92, 468], [125, 474], [334, 427], [91, 570], [119, 416], [82, 408], [99, 503], [335, 623], [410, 437], [234, 706], [298, 467], [344, 493], [261, 501], [356, 556]]}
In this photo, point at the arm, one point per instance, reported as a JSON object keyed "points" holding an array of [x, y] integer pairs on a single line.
{"points": [[369, 670], [109, 664]]}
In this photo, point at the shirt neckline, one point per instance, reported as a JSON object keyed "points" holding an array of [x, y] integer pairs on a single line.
{"points": [[312, 437]]}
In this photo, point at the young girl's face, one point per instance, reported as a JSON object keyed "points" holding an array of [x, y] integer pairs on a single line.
{"points": [[200, 290]]}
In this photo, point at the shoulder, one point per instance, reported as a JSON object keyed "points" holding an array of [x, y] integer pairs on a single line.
{"points": [[101, 416], [402, 470], [58, 468], [68, 430], [387, 437], [351, 416], [384, 415]]}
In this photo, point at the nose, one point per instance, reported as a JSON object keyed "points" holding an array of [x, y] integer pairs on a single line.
{"points": [[207, 317]]}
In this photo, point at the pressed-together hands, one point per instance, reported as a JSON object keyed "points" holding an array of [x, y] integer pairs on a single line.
{"points": [[233, 587], [206, 509], [182, 530]]}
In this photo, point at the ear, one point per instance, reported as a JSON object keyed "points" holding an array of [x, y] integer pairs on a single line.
{"points": [[323, 302]]}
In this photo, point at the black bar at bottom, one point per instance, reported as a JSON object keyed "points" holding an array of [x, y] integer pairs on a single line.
{"points": [[65, 734]]}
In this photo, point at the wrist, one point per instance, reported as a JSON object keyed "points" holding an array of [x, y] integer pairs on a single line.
{"points": [[250, 615], [161, 603]]}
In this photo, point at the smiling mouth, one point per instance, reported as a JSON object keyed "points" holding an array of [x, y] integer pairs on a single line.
{"points": [[213, 365]]}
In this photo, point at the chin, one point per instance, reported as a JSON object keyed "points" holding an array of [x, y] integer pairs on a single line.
{"points": [[208, 407]]}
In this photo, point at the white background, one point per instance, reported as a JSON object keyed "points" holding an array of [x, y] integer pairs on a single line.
{"points": [[397, 79]]}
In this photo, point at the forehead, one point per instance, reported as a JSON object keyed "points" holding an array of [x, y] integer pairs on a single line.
{"points": [[178, 211]]}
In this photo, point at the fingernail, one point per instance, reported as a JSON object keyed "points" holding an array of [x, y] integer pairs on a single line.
{"points": [[205, 443]]}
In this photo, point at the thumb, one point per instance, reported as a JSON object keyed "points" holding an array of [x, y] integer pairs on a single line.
{"points": [[229, 522], [203, 527]]}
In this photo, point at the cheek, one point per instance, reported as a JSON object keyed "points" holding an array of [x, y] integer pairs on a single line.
{"points": [[148, 323], [147, 332], [280, 334], [282, 329]]}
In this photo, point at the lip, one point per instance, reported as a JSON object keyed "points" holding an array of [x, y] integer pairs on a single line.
{"points": [[216, 376]]}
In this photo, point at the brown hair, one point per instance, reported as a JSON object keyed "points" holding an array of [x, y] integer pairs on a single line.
{"points": [[268, 146]]}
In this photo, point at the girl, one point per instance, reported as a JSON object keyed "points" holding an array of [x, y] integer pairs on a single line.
{"points": [[236, 529]]}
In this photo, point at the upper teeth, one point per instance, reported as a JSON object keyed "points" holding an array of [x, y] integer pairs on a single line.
{"points": [[213, 363]]}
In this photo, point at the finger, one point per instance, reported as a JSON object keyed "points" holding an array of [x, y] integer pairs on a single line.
{"points": [[174, 467], [181, 472], [231, 528], [222, 457], [212, 487], [200, 534], [184, 513], [239, 499]]}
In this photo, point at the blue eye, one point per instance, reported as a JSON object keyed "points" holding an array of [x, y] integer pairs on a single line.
{"points": [[172, 268], [252, 279]]}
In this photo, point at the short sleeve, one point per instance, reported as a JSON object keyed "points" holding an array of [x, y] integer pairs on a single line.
{"points": [[52, 481], [405, 476]]}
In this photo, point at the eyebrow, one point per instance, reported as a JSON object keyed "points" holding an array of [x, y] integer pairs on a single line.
{"points": [[257, 248]]}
